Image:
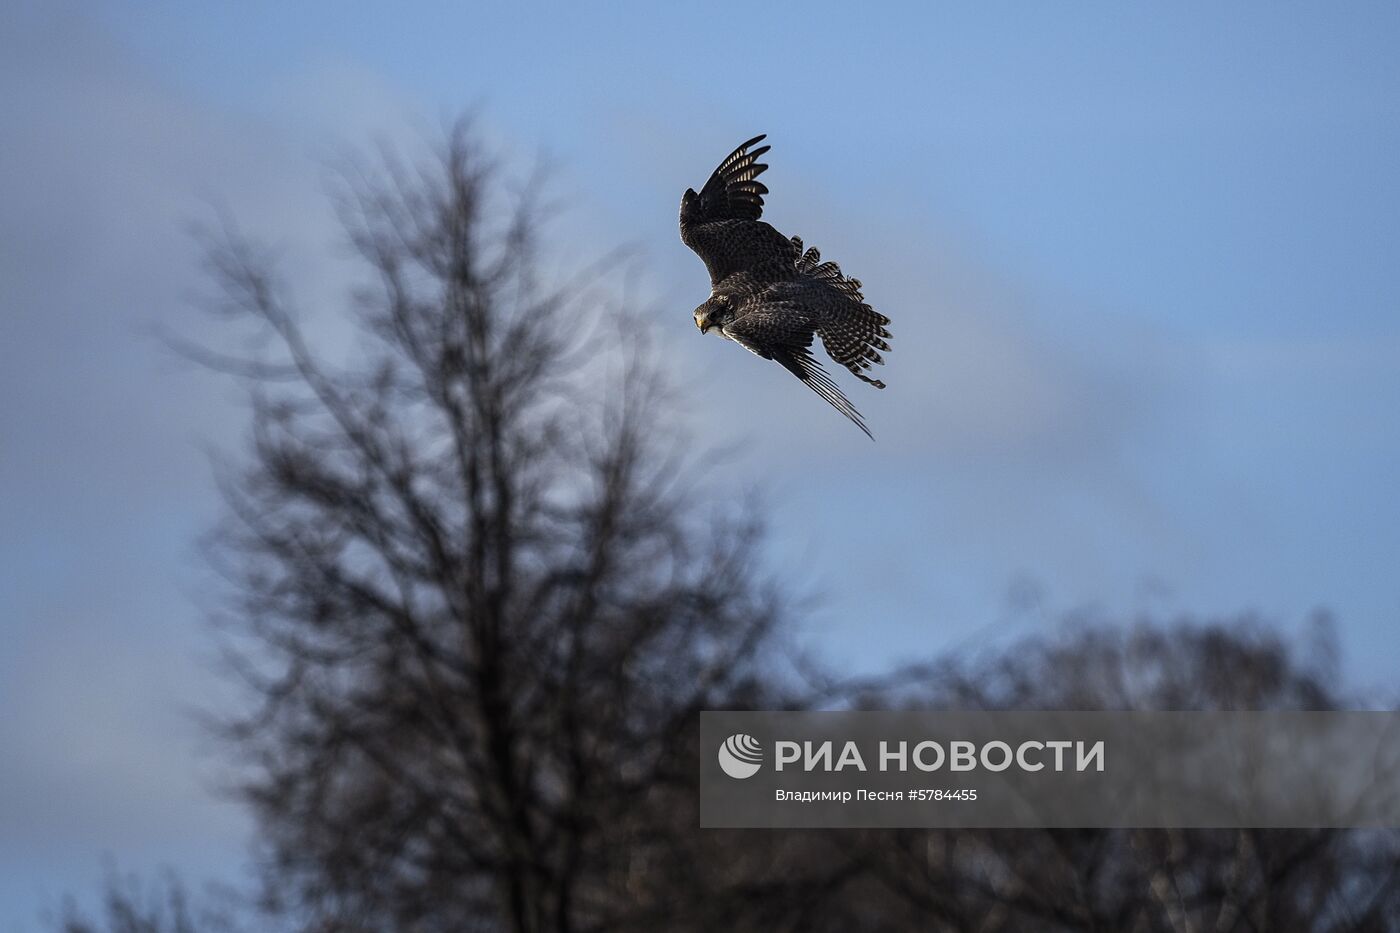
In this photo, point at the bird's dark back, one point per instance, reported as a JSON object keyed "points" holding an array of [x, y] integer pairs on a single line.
{"points": [[730, 247]]}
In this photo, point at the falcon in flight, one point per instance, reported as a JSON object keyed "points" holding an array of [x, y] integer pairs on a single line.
{"points": [[769, 295]]}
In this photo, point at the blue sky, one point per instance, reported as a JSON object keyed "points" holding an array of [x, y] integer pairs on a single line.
{"points": [[1142, 266]]}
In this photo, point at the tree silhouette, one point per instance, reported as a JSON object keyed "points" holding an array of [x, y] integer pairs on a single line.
{"points": [[480, 590], [1171, 881]]}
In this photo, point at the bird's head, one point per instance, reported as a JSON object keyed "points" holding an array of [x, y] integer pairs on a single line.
{"points": [[688, 201], [715, 312]]}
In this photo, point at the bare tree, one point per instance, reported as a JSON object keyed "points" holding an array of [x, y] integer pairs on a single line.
{"points": [[480, 590], [1172, 881], [129, 906]]}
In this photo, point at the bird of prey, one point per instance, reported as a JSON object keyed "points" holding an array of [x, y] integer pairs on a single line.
{"points": [[769, 295]]}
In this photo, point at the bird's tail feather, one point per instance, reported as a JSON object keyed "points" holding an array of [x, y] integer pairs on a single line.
{"points": [[853, 333]]}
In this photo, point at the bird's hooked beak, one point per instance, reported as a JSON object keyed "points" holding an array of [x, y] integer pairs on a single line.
{"points": [[702, 322]]}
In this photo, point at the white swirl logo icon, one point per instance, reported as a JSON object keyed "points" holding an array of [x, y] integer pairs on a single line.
{"points": [[740, 756]]}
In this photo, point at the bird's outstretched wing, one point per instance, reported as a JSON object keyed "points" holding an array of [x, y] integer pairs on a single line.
{"points": [[783, 331], [721, 223], [732, 192]]}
